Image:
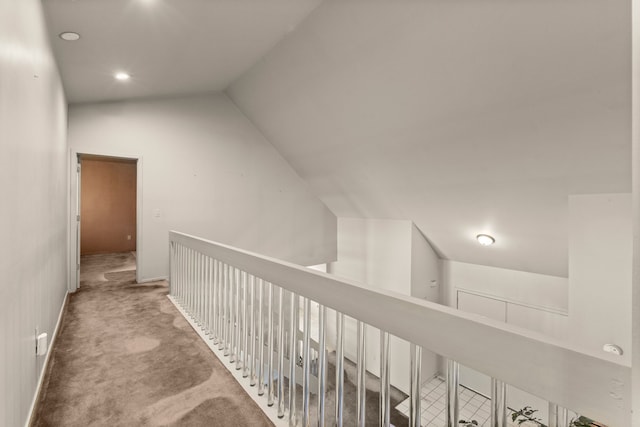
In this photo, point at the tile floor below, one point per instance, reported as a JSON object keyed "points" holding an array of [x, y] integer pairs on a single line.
{"points": [[472, 406]]}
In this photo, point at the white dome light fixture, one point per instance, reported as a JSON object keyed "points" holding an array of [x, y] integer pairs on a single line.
{"points": [[69, 36], [485, 239], [122, 76]]}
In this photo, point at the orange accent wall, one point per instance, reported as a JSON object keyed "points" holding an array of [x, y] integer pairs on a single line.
{"points": [[108, 206]]}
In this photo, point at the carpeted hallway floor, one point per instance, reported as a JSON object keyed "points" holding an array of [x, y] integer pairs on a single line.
{"points": [[124, 356]]}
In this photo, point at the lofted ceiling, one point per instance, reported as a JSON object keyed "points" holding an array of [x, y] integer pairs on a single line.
{"points": [[465, 116], [168, 47]]}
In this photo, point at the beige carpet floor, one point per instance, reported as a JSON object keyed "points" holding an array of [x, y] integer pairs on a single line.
{"points": [[124, 356]]}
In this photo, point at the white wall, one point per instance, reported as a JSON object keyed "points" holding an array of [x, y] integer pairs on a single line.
{"points": [[425, 268], [536, 290], [33, 210], [600, 241], [207, 171], [391, 255], [635, 162]]}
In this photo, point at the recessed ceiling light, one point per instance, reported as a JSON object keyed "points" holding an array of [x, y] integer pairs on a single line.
{"points": [[122, 76], [485, 239], [69, 36]]}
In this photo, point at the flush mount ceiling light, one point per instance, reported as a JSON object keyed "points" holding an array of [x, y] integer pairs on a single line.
{"points": [[122, 76], [69, 36], [485, 239]]}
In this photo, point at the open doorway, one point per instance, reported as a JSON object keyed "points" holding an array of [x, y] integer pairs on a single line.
{"points": [[107, 224]]}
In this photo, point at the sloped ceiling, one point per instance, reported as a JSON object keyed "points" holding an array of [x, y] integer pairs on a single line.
{"points": [[465, 116]]}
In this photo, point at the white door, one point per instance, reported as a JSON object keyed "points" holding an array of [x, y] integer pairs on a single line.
{"points": [[78, 206]]}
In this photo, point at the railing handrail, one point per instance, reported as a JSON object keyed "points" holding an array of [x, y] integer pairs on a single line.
{"points": [[530, 361]]}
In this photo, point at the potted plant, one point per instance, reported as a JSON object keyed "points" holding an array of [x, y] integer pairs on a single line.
{"points": [[526, 417]]}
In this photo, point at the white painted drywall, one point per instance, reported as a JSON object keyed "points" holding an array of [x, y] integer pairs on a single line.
{"points": [[536, 290], [551, 323], [635, 166], [33, 190], [391, 255], [600, 264], [207, 172], [425, 268]]}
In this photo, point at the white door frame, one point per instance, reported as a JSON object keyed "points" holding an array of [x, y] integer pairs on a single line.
{"points": [[73, 211]]}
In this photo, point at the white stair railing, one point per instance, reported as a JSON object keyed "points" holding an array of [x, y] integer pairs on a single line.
{"points": [[240, 300]]}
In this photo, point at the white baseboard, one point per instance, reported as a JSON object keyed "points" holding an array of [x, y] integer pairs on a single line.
{"points": [[154, 279], [46, 360]]}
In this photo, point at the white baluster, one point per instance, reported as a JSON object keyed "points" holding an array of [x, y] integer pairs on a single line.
{"points": [[293, 358], [252, 329], [260, 337], [245, 326], [361, 376], [270, 390], [339, 369], [452, 393], [227, 311], [238, 320], [385, 402], [306, 361], [414, 394], [322, 362], [498, 403], [280, 352]]}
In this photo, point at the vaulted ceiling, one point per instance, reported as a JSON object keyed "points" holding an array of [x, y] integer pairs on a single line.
{"points": [[463, 116]]}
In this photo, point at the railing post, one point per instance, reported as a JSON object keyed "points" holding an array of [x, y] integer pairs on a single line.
{"points": [[322, 361], [306, 392], [238, 320], [214, 300], [361, 376], [293, 356], [190, 282], [199, 290], [270, 344], [245, 326], [227, 311], [208, 304], [558, 416], [195, 286], [385, 402], [498, 403], [220, 305], [252, 329], [339, 369], [452, 393], [280, 353], [553, 415], [260, 337], [232, 314], [415, 388]]}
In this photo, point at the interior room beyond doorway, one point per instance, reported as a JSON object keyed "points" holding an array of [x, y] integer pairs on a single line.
{"points": [[108, 205]]}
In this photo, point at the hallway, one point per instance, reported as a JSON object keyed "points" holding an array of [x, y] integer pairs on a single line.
{"points": [[124, 356]]}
